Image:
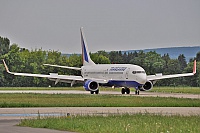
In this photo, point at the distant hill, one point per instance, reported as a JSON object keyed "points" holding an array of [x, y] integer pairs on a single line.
{"points": [[174, 52]]}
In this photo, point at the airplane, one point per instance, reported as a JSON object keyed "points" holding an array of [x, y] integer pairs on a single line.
{"points": [[112, 75]]}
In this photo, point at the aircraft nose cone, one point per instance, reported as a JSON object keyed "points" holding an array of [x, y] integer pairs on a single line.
{"points": [[142, 78]]}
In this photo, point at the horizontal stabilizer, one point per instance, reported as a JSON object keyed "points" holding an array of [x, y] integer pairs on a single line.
{"points": [[67, 67]]}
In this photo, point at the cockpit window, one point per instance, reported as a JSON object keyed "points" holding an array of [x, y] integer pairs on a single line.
{"points": [[134, 72]]}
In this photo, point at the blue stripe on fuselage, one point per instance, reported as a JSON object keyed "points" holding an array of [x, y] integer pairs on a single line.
{"points": [[85, 56], [119, 83], [85, 53]]}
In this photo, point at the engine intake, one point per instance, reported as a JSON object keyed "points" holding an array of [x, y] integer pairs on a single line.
{"points": [[90, 85], [147, 86]]}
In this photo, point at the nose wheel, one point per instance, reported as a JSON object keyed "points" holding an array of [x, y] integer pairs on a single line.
{"points": [[125, 90], [137, 92]]}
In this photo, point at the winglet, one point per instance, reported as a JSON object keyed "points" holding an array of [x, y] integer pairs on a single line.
{"points": [[6, 67], [195, 67]]}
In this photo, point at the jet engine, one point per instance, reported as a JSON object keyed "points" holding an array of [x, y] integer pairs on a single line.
{"points": [[147, 86], [90, 85]]}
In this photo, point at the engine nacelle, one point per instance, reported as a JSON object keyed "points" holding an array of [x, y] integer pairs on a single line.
{"points": [[90, 85], [147, 86]]}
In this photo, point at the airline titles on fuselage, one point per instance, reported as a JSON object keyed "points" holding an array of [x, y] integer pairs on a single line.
{"points": [[112, 70], [117, 68]]}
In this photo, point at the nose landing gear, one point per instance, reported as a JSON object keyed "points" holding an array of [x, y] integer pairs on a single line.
{"points": [[137, 92]]}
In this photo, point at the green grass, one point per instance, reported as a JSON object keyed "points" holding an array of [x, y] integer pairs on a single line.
{"points": [[190, 90], [137, 123], [82, 100]]}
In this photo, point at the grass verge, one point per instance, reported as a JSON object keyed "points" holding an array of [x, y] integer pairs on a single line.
{"points": [[137, 123], [82, 100], [190, 90]]}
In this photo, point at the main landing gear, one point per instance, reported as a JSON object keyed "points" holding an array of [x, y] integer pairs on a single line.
{"points": [[94, 92], [125, 90]]}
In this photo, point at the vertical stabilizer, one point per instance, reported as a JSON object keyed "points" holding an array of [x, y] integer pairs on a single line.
{"points": [[85, 53]]}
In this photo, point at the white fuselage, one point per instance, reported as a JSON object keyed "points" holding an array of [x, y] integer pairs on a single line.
{"points": [[116, 72]]}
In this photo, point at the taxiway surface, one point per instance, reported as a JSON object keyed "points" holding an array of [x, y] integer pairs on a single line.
{"points": [[142, 94], [9, 126]]}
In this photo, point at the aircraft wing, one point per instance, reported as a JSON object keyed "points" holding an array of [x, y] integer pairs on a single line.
{"points": [[160, 76], [74, 68], [51, 76], [101, 81]]}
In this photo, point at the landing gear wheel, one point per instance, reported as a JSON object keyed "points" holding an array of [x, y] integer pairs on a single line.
{"points": [[127, 90], [94, 92], [123, 91], [137, 92], [97, 92]]}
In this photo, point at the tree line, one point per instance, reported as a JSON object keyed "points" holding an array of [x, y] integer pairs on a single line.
{"points": [[31, 61]]}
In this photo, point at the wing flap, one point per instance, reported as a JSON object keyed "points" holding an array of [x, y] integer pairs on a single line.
{"points": [[66, 77]]}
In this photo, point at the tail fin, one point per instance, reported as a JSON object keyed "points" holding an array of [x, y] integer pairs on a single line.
{"points": [[85, 55]]}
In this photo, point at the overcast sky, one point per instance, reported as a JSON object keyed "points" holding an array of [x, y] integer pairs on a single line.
{"points": [[108, 24]]}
